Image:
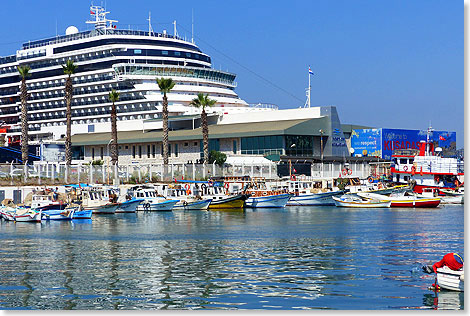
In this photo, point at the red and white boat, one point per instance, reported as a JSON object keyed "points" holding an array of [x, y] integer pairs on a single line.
{"points": [[403, 199], [427, 168]]}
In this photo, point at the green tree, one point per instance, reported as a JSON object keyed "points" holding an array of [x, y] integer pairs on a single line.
{"points": [[24, 73], [217, 157], [69, 69], [114, 97], [165, 86], [203, 101]]}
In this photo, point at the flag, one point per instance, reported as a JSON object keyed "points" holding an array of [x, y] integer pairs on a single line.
{"points": [[294, 170], [441, 138], [91, 12], [310, 72]]}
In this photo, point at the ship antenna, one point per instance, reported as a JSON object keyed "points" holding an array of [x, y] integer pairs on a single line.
{"points": [[150, 24], [175, 32], [309, 89], [192, 25]]}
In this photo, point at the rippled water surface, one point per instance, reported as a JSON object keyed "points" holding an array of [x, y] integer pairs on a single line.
{"points": [[292, 258]]}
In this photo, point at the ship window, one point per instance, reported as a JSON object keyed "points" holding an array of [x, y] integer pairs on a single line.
{"points": [[177, 54], [403, 161], [164, 52], [188, 54], [137, 51]]}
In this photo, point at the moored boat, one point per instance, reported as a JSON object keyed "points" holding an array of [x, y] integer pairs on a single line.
{"points": [[272, 201], [82, 214], [190, 205], [349, 200], [129, 206], [66, 214], [27, 215], [450, 279], [235, 202], [403, 200]]}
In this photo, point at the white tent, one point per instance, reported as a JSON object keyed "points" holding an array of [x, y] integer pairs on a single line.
{"points": [[248, 160]]}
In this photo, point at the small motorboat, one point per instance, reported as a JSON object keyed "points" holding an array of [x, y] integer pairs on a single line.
{"points": [[66, 214], [27, 215], [80, 213], [350, 200], [450, 279], [274, 200], [403, 199], [190, 205], [129, 206], [156, 204], [235, 201]]}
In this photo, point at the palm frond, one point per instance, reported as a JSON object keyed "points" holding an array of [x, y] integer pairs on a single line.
{"points": [[69, 67], [113, 96], [165, 85], [24, 71]]}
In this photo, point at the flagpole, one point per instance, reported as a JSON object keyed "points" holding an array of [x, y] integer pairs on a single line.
{"points": [[309, 87]]}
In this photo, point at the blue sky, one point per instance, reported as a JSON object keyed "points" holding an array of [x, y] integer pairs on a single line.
{"points": [[393, 64]]}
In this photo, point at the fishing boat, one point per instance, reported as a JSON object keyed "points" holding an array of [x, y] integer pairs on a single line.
{"points": [[426, 168], [82, 214], [235, 202], [100, 200], [66, 214], [151, 200], [192, 205], [27, 215], [452, 196], [7, 213], [350, 200], [271, 201], [450, 279], [403, 199], [129, 206]]}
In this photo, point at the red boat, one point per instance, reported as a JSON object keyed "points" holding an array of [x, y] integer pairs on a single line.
{"points": [[427, 169]]}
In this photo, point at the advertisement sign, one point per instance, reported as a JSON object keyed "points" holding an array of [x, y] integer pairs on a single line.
{"points": [[53, 152], [409, 139], [367, 142]]}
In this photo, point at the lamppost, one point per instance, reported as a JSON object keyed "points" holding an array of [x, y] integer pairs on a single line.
{"points": [[290, 163], [321, 150]]}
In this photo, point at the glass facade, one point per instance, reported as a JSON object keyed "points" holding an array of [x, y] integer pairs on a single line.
{"points": [[299, 145], [259, 145]]}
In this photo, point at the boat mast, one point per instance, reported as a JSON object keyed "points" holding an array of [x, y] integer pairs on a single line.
{"points": [[100, 21], [309, 89]]}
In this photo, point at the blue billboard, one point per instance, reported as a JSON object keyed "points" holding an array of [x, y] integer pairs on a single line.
{"points": [[367, 142], [382, 142]]}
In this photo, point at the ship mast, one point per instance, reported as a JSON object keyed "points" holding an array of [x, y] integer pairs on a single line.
{"points": [[100, 22], [428, 134], [309, 89]]}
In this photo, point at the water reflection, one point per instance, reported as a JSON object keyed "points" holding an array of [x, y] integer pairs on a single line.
{"points": [[292, 258]]}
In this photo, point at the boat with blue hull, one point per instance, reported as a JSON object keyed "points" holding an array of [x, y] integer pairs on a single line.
{"points": [[272, 201], [66, 214], [82, 214]]}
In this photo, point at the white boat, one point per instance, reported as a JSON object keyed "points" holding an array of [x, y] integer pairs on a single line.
{"points": [[274, 201], [403, 199], [129, 206], [192, 205], [349, 200], [311, 199], [453, 196], [450, 279], [151, 200], [27, 215]]}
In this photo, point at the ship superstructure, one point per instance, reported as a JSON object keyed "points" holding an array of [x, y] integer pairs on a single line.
{"points": [[128, 61]]}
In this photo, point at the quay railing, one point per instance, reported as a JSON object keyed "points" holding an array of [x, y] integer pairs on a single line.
{"points": [[53, 173]]}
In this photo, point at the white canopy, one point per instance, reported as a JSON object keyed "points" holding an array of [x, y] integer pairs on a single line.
{"points": [[248, 160]]}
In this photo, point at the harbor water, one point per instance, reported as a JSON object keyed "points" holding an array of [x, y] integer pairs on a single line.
{"points": [[290, 258]]}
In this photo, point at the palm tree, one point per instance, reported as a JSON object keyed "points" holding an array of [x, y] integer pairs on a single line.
{"points": [[202, 101], [114, 97], [165, 86], [69, 70], [24, 73]]}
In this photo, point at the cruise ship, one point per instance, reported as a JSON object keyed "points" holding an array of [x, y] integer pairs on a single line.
{"points": [[110, 58]]}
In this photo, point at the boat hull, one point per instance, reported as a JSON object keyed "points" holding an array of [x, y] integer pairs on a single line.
{"points": [[450, 280], [29, 217], [271, 201], [104, 209], [320, 199], [235, 202], [164, 206], [416, 203], [129, 206], [381, 204], [193, 206], [82, 214], [58, 214]]}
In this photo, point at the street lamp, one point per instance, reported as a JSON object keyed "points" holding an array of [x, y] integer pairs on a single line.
{"points": [[290, 163]]}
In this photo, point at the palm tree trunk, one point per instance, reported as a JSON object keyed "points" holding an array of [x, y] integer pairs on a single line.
{"points": [[68, 114], [205, 135], [24, 122], [165, 129], [114, 146]]}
